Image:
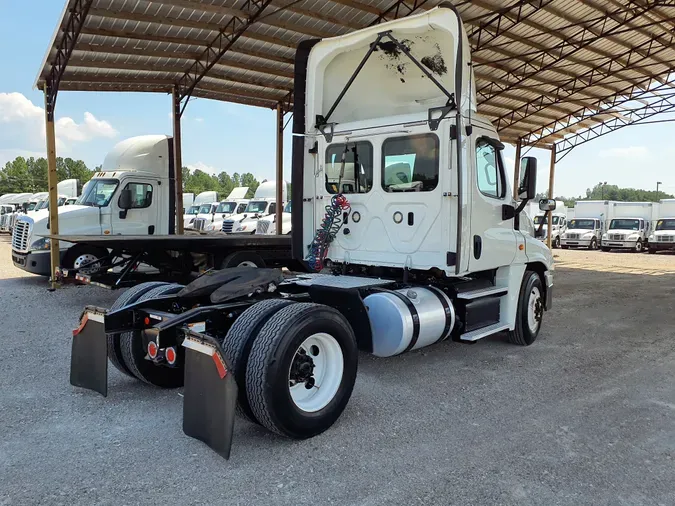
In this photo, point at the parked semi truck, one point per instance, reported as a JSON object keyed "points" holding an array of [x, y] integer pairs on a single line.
{"points": [[267, 225], [200, 202], [629, 225], [662, 237], [586, 228], [262, 204], [403, 265], [234, 203]]}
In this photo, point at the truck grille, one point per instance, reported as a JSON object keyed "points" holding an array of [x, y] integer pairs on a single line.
{"points": [[573, 236], [616, 237], [263, 227], [666, 238], [199, 224], [228, 225], [20, 236]]}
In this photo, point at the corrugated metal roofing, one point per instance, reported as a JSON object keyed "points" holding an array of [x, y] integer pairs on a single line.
{"points": [[544, 68]]}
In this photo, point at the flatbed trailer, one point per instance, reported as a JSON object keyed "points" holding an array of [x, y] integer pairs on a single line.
{"points": [[176, 258]]}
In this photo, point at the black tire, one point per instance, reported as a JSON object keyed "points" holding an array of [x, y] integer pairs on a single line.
{"points": [[129, 297], [239, 340], [133, 352], [239, 257], [273, 352], [606, 250], [594, 244], [556, 242], [638, 246], [79, 249], [522, 334]]}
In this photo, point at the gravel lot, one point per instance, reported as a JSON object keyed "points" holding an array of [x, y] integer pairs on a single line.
{"points": [[584, 416]]}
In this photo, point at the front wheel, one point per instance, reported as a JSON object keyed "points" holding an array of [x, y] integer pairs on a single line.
{"points": [[638, 246], [556, 242], [301, 370], [594, 244], [530, 310]]}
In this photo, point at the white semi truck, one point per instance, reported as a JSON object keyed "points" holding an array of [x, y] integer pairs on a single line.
{"points": [[628, 226], [559, 226], [235, 203], [262, 204], [405, 265], [267, 225], [202, 204], [662, 237], [586, 228]]}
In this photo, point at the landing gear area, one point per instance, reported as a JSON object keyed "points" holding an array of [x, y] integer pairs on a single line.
{"points": [[281, 350]]}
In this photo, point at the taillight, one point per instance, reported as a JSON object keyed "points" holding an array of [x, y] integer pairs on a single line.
{"points": [[152, 350], [170, 355]]}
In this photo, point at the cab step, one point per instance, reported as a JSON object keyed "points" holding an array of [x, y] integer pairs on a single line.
{"points": [[483, 292], [477, 334]]}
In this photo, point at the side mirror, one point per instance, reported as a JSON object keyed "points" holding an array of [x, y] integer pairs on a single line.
{"points": [[527, 187], [124, 202], [547, 205]]}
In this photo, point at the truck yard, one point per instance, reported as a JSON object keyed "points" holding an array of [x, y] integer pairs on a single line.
{"points": [[585, 416]]}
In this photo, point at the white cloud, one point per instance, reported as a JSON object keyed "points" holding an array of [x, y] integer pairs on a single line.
{"points": [[199, 120], [627, 152], [23, 126], [204, 168]]}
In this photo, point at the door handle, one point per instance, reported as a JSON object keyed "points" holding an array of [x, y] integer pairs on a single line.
{"points": [[477, 246]]}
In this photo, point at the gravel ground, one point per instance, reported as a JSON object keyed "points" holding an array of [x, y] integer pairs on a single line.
{"points": [[584, 416]]}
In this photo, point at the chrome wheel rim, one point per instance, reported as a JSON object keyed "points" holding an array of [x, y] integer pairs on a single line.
{"points": [[534, 310]]}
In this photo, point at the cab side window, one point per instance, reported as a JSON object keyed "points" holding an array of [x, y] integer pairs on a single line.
{"points": [[241, 208], [489, 170], [141, 195], [273, 208]]}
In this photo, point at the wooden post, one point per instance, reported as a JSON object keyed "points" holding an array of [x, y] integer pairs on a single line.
{"points": [[177, 161], [280, 166], [551, 178], [52, 183], [516, 170]]}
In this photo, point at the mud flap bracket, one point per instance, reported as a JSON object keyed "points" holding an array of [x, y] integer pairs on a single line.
{"points": [[210, 395]]}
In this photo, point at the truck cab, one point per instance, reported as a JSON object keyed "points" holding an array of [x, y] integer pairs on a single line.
{"points": [[628, 226], [268, 224], [192, 212], [235, 203], [583, 233], [559, 222], [262, 204], [129, 196]]}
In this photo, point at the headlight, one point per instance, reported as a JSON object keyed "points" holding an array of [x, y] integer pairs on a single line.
{"points": [[588, 236], [634, 237], [604, 236], [40, 244], [241, 228], [651, 237]]}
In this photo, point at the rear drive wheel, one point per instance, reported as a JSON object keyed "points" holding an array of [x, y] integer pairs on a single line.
{"points": [[134, 353], [242, 259], [530, 310], [239, 340], [638, 246], [128, 297], [594, 244], [301, 370]]}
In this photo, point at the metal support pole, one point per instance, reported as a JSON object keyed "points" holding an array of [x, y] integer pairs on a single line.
{"points": [[52, 183], [551, 178], [516, 170], [177, 161], [280, 166]]}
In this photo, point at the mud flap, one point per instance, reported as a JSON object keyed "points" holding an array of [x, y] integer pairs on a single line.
{"points": [[89, 355], [210, 395]]}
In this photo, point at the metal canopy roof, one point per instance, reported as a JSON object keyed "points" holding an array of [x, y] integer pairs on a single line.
{"points": [[547, 71]]}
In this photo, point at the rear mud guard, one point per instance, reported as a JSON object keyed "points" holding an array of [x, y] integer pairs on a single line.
{"points": [[210, 395], [89, 355]]}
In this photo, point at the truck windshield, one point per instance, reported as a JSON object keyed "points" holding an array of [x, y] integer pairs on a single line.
{"points": [[256, 207], [624, 225], [226, 207], [665, 225], [539, 219], [43, 204], [205, 209], [99, 192], [31, 206], [287, 209], [582, 224], [193, 210]]}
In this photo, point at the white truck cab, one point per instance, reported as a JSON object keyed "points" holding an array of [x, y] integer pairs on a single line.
{"points": [[628, 226], [262, 204], [559, 222], [267, 225], [129, 196], [586, 228], [235, 203], [662, 238], [199, 206]]}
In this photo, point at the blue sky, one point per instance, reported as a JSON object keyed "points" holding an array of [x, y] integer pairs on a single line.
{"points": [[219, 136]]}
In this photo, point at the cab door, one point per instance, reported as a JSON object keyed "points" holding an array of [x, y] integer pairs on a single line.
{"points": [[141, 218], [492, 239]]}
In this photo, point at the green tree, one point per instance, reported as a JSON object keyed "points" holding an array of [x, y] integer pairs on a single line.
{"points": [[248, 179]]}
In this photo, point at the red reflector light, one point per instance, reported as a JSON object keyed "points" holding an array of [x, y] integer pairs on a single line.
{"points": [[146, 320], [170, 355], [220, 366], [152, 350]]}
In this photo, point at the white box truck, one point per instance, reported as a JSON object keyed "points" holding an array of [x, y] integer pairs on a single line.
{"points": [[586, 228], [414, 263], [262, 204], [662, 237], [628, 226], [558, 221]]}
